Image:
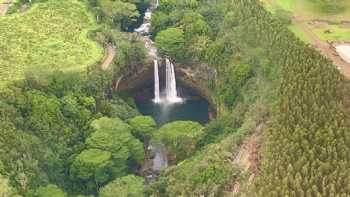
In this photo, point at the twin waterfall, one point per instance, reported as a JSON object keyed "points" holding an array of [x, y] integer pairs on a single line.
{"points": [[170, 86], [170, 89]]}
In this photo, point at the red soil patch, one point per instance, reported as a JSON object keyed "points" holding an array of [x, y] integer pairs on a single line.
{"points": [[108, 59], [5, 6]]}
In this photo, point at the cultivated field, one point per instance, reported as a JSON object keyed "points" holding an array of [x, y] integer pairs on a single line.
{"points": [[49, 36], [306, 11], [315, 25]]}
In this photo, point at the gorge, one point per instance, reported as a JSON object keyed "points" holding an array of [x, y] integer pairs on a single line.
{"points": [[167, 104], [169, 98]]}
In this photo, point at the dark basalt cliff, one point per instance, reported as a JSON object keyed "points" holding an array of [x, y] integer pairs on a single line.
{"points": [[194, 78]]}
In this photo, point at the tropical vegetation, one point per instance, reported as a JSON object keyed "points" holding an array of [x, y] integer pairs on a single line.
{"points": [[72, 134]]}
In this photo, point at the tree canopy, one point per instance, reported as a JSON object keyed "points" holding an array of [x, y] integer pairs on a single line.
{"points": [[131, 186], [180, 137], [171, 42]]}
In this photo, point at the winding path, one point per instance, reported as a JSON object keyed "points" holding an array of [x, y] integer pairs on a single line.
{"points": [[4, 6], [108, 59]]}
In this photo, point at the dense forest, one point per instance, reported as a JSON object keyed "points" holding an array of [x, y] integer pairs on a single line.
{"points": [[72, 134]]}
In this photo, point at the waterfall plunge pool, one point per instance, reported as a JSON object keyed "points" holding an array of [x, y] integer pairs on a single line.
{"points": [[193, 106], [194, 110]]}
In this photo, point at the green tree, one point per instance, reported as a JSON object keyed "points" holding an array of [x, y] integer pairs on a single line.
{"points": [[120, 13], [142, 126], [180, 137], [115, 136], [193, 24], [171, 42], [127, 186], [160, 21], [5, 188], [93, 166], [50, 191], [207, 173]]}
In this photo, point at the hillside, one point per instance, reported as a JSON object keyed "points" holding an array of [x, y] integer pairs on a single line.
{"points": [[192, 98], [49, 36]]}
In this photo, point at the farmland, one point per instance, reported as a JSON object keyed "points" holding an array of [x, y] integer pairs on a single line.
{"points": [[306, 11], [310, 9], [50, 36]]}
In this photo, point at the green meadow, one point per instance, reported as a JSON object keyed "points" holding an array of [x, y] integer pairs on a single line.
{"points": [[50, 36], [309, 9], [333, 32]]}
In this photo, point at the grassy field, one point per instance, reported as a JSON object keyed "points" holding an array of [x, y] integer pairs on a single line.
{"points": [[335, 33], [309, 9], [50, 36]]}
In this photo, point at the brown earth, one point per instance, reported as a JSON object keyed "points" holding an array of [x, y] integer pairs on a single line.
{"points": [[248, 159], [323, 46], [5, 6], [108, 59]]}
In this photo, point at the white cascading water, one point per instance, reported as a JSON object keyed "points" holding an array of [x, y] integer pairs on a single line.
{"points": [[160, 160], [156, 83], [170, 86]]}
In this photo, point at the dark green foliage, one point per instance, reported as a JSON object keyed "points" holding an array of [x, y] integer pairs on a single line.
{"points": [[216, 129], [52, 131], [142, 126], [305, 153], [127, 186], [284, 16], [43, 126], [233, 81], [111, 152], [44, 120], [119, 13], [160, 21], [171, 42], [180, 137], [207, 173], [131, 55], [115, 136], [49, 191], [93, 166], [118, 108]]}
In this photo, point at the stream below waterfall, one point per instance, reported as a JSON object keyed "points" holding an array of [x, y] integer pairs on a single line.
{"points": [[166, 103]]}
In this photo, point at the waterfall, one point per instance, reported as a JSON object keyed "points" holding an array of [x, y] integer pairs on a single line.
{"points": [[170, 86], [156, 83], [160, 158]]}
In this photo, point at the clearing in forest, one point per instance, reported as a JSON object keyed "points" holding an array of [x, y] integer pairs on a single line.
{"points": [[313, 24], [327, 25], [50, 36]]}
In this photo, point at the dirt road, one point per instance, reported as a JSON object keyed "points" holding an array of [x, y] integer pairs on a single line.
{"points": [[4, 6], [111, 52], [324, 47]]}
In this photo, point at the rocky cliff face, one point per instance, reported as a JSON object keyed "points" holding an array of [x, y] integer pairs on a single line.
{"points": [[195, 77]]}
